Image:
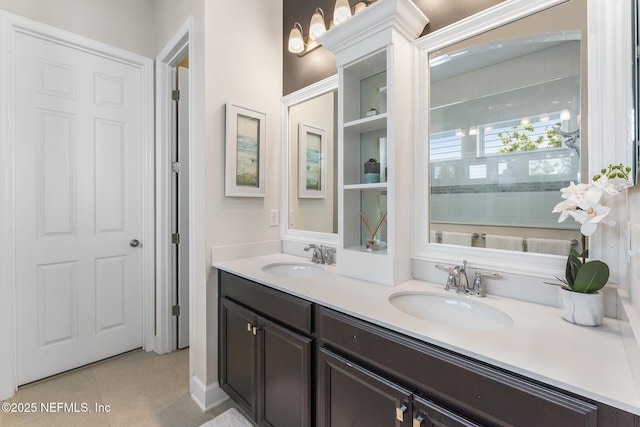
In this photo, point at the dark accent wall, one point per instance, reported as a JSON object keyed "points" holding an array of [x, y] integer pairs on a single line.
{"points": [[299, 72]]}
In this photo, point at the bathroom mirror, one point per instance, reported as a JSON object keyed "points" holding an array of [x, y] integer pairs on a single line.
{"points": [[506, 131], [310, 163]]}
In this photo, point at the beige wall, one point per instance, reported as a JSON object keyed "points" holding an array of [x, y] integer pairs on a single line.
{"points": [[127, 24], [243, 65]]}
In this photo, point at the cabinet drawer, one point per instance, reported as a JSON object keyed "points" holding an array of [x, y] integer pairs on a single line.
{"points": [[467, 386], [292, 311]]}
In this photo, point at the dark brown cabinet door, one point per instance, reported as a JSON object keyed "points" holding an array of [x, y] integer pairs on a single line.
{"points": [[238, 364], [351, 396], [429, 414], [284, 376]]}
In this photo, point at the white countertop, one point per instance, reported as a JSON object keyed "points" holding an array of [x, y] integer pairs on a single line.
{"points": [[588, 361]]}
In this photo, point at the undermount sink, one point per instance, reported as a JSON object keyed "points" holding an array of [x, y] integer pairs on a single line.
{"points": [[460, 312], [294, 269]]}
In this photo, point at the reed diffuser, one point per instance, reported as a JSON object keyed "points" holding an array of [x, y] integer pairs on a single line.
{"points": [[371, 244]]}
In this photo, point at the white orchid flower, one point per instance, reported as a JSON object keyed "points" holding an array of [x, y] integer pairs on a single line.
{"points": [[591, 218], [613, 186], [582, 203]]}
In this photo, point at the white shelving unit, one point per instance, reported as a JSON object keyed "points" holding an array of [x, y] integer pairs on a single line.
{"points": [[374, 57]]}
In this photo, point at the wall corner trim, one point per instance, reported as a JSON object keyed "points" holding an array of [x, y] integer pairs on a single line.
{"points": [[206, 397]]}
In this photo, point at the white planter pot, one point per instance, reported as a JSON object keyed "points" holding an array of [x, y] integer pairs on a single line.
{"points": [[581, 309]]}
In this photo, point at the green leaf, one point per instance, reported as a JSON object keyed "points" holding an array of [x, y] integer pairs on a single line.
{"points": [[591, 277], [573, 266], [575, 253]]}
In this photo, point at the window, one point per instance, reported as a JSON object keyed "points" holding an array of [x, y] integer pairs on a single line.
{"points": [[520, 135], [445, 146]]}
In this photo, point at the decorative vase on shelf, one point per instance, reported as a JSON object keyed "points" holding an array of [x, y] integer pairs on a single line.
{"points": [[371, 171], [580, 297], [581, 309]]}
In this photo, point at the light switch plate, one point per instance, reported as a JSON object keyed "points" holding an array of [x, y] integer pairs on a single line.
{"points": [[274, 218]]}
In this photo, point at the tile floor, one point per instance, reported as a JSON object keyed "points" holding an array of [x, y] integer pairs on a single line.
{"points": [[141, 389]]}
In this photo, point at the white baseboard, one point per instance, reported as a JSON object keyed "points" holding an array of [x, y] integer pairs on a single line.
{"points": [[206, 397]]}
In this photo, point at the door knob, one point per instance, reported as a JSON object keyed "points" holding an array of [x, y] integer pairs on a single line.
{"points": [[134, 243]]}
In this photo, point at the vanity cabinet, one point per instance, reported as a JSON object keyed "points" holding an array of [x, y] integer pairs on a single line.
{"points": [[463, 390], [349, 394], [265, 361], [289, 362]]}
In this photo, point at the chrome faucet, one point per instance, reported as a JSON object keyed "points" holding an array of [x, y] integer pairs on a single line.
{"points": [[321, 254], [457, 278], [316, 255]]}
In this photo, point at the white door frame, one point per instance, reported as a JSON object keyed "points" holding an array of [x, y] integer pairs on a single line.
{"points": [[9, 25], [169, 57]]}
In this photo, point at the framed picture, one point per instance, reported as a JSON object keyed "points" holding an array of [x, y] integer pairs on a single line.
{"points": [[245, 152], [312, 148]]}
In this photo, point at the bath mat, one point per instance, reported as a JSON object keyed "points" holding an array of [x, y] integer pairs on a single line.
{"points": [[229, 418]]}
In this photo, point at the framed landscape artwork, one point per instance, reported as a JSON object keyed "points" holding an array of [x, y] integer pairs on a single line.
{"points": [[311, 162], [245, 150]]}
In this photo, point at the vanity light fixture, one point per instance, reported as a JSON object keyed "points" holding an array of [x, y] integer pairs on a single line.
{"points": [[301, 45], [341, 12], [317, 26], [359, 6], [296, 42]]}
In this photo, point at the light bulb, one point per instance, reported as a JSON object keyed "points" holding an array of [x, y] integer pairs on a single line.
{"points": [[317, 26], [565, 115], [473, 130], [296, 43], [544, 117], [341, 12]]}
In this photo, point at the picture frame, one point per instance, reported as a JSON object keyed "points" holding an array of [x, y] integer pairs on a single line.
{"points": [[245, 148], [312, 154]]}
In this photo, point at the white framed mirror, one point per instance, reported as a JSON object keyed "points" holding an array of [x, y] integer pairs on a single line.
{"points": [[309, 159], [563, 21]]}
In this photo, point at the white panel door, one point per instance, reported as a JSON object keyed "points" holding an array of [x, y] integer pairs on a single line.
{"points": [[78, 207], [183, 207]]}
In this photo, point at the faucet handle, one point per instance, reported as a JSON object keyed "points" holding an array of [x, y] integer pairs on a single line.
{"points": [[316, 254], [477, 288], [452, 278], [478, 285], [328, 255]]}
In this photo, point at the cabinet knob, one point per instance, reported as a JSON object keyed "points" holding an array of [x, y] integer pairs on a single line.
{"points": [[248, 327], [400, 413], [254, 330], [417, 421]]}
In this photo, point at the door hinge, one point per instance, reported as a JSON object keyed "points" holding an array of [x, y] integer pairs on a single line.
{"points": [[175, 238], [175, 95], [175, 310], [175, 167]]}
